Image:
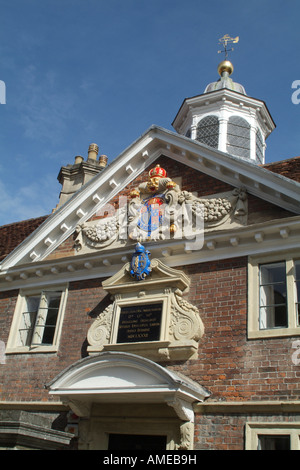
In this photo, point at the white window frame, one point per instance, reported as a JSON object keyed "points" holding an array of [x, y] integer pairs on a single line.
{"points": [[254, 330], [253, 430], [13, 343]]}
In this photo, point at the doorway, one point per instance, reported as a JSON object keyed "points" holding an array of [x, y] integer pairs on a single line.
{"points": [[136, 442]]}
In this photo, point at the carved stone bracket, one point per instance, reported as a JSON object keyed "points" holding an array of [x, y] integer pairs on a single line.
{"points": [[81, 408], [185, 412], [183, 409]]}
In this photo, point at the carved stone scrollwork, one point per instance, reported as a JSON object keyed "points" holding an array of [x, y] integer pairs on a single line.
{"points": [[185, 323], [186, 436], [99, 332]]}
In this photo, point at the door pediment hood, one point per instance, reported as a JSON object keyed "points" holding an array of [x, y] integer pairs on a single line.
{"points": [[114, 377]]}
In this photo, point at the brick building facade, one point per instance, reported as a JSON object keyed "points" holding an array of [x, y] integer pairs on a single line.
{"points": [[221, 372]]}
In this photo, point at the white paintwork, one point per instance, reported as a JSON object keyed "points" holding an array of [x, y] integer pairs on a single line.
{"points": [[124, 377]]}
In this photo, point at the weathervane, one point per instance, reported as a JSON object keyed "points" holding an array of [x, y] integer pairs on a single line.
{"points": [[224, 42]]}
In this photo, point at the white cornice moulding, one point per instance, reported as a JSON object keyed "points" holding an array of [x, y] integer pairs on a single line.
{"points": [[234, 243]]}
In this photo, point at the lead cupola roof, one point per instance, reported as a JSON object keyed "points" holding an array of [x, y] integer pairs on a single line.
{"points": [[225, 69]]}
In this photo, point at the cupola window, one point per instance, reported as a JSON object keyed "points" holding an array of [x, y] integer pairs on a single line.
{"points": [[259, 147], [238, 137], [208, 131]]}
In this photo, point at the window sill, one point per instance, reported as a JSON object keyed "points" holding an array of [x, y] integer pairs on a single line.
{"points": [[274, 333], [32, 350]]}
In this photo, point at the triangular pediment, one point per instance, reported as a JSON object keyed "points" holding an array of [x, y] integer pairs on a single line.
{"points": [[160, 275], [230, 173]]}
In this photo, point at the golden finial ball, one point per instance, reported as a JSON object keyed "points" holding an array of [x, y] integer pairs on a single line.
{"points": [[225, 66]]}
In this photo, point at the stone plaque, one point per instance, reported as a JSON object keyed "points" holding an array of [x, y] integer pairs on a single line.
{"points": [[139, 323]]}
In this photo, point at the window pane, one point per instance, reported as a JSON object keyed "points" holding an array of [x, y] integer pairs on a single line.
{"points": [[259, 146], [29, 320], [238, 137], [53, 307], [272, 292], [274, 442], [46, 318], [208, 131], [271, 273], [273, 317]]}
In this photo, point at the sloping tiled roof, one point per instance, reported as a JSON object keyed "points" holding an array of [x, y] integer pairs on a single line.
{"points": [[289, 168], [12, 235]]}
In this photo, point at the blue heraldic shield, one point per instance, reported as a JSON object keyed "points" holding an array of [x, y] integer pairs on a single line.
{"points": [[140, 263], [151, 214]]}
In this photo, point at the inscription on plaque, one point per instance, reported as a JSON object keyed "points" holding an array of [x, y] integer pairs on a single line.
{"points": [[139, 323]]}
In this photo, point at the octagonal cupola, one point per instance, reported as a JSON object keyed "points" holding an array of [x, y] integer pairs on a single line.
{"points": [[224, 117]]}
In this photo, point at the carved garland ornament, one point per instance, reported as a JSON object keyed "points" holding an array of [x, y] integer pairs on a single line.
{"points": [[97, 235], [157, 209]]}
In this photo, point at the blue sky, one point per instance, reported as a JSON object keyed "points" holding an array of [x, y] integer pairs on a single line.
{"points": [[83, 71]]}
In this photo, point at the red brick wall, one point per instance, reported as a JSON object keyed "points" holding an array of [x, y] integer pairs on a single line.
{"points": [[220, 431], [230, 366], [23, 376], [7, 306]]}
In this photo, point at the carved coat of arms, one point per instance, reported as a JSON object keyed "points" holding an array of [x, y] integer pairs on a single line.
{"points": [[140, 265], [158, 209]]}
